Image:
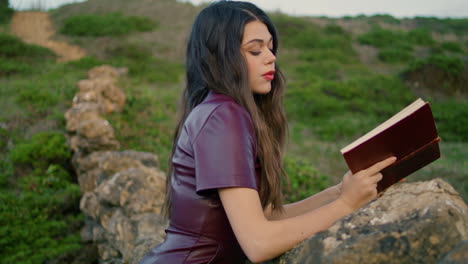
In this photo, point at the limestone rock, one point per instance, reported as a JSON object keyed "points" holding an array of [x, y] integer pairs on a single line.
{"points": [[84, 112], [124, 211], [106, 71], [412, 223], [96, 135], [459, 255], [101, 165]]}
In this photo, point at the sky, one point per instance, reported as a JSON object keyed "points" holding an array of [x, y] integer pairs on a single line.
{"points": [[332, 8]]}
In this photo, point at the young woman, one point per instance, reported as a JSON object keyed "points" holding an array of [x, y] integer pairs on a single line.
{"points": [[223, 190]]}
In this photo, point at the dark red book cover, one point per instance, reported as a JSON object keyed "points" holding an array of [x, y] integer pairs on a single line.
{"points": [[413, 139]]}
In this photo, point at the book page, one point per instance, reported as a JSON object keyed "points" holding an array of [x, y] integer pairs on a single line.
{"points": [[391, 121]]}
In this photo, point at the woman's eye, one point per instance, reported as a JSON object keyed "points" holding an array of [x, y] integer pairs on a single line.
{"points": [[255, 53]]}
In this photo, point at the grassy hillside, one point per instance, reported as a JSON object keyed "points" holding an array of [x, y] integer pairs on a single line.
{"points": [[345, 76]]}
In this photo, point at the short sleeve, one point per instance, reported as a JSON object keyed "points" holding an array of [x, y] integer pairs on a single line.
{"points": [[224, 150]]}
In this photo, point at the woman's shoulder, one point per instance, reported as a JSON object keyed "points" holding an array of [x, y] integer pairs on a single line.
{"points": [[220, 109]]}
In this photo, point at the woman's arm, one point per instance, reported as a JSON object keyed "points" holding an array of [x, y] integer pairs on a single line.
{"points": [[258, 236], [301, 207]]}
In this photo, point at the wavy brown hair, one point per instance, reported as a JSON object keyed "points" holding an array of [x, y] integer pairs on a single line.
{"points": [[213, 50]]}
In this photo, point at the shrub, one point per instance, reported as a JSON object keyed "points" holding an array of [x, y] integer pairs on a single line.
{"points": [[304, 180], [381, 37], [5, 12], [386, 18], [31, 230], [395, 55], [111, 24], [296, 32], [420, 37], [43, 149], [451, 119], [451, 46], [384, 38], [450, 65], [459, 26], [39, 214], [143, 65], [337, 110]]}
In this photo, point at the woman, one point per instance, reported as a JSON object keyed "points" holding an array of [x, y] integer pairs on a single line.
{"points": [[223, 190]]}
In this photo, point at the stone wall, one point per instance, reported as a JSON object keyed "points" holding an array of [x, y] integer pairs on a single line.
{"points": [[123, 191]]}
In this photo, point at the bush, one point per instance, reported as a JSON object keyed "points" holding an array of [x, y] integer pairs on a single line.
{"points": [[338, 110], [5, 11], [451, 120], [451, 46], [420, 37], [31, 228], [386, 18], [39, 214], [381, 37], [143, 65], [395, 55], [296, 32], [458, 26], [111, 24], [452, 66], [43, 149], [304, 180]]}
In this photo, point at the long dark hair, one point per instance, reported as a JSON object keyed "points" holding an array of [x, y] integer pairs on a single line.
{"points": [[214, 49]]}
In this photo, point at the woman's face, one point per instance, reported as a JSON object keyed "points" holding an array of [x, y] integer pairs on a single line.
{"points": [[257, 46]]}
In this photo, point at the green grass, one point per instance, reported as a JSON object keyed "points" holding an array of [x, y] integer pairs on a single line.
{"points": [[19, 57], [111, 24], [39, 213]]}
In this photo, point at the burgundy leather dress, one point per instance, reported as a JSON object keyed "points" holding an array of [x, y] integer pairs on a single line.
{"points": [[216, 149]]}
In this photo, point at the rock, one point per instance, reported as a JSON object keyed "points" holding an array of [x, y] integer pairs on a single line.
{"points": [[96, 135], [99, 166], [114, 98], [106, 71], [459, 255], [82, 113], [412, 223], [124, 214]]}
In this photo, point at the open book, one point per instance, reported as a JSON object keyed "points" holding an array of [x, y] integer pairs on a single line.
{"points": [[410, 135]]}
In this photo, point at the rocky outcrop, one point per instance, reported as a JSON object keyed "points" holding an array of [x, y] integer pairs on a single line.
{"points": [[123, 191], [423, 222]]}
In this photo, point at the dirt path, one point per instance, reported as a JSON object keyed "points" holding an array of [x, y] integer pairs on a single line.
{"points": [[36, 28]]}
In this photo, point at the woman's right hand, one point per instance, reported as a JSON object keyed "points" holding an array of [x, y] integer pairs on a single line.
{"points": [[361, 188]]}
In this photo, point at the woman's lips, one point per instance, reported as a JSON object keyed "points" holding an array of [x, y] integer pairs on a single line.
{"points": [[269, 75]]}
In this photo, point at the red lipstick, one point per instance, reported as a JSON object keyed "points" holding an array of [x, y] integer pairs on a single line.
{"points": [[269, 75]]}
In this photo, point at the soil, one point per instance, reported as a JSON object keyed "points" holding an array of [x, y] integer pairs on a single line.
{"points": [[36, 28]]}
